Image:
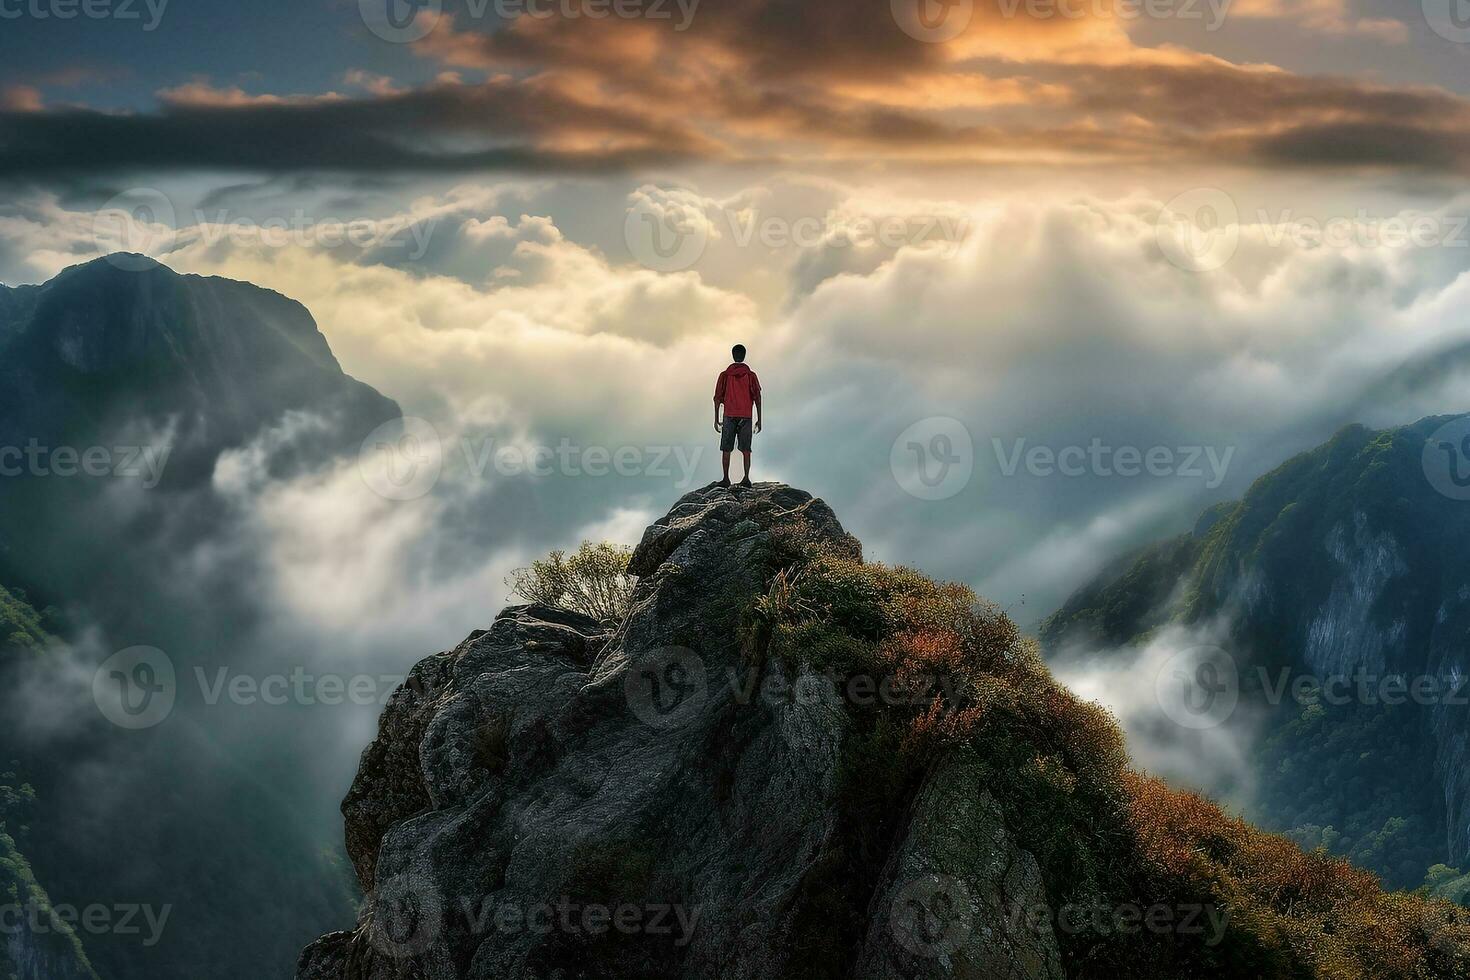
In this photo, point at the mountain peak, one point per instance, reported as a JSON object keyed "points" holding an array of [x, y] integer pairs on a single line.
{"points": [[788, 762], [114, 269], [713, 510], [134, 339], [627, 767], [184, 367], [127, 261]]}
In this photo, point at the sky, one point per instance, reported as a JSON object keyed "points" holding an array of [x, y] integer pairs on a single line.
{"points": [[1028, 283]]}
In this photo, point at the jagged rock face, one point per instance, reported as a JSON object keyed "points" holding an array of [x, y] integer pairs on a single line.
{"points": [[959, 865], [1346, 561], [549, 800]]}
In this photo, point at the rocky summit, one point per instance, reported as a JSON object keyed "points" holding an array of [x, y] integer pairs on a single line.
{"points": [[546, 779], [730, 783]]}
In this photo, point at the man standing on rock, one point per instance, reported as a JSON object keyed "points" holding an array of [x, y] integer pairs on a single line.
{"points": [[738, 389]]}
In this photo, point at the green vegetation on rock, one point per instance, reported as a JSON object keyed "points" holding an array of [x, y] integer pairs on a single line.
{"points": [[1104, 836], [21, 627]]}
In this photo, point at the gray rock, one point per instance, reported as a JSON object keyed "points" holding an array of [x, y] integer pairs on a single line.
{"points": [[960, 898], [549, 801]]}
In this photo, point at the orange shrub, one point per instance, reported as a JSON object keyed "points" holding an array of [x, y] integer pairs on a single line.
{"points": [[1332, 918]]}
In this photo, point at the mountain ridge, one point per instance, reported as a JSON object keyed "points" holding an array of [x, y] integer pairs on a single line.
{"points": [[100, 340]]}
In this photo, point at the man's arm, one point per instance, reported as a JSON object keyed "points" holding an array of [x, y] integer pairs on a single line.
{"points": [[719, 398], [755, 384]]}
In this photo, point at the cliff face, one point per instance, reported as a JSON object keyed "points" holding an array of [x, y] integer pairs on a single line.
{"points": [[755, 775], [36, 945], [1347, 561], [546, 775]]}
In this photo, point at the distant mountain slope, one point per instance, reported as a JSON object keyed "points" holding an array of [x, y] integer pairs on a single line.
{"points": [[105, 350], [199, 815], [1345, 560], [159, 373]]}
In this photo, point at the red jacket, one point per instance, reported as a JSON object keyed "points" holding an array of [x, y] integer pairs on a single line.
{"points": [[738, 389]]}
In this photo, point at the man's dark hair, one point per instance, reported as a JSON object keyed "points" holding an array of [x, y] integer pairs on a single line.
{"points": [[738, 352]]}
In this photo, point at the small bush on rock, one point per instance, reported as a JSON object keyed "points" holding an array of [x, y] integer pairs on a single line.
{"points": [[594, 581]]}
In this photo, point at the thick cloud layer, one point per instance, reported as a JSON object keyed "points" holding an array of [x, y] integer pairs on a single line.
{"points": [[1065, 336]]}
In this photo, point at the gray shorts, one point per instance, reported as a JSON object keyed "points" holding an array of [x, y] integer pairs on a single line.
{"points": [[733, 429]]}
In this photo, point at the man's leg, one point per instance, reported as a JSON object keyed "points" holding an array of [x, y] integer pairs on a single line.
{"points": [[745, 447], [727, 443]]}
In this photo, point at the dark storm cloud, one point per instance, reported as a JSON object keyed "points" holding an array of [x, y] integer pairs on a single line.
{"points": [[1212, 109], [447, 127], [1207, 93], [1384, 144]]}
